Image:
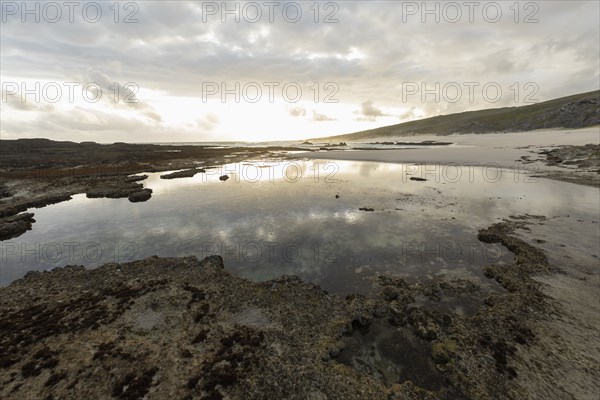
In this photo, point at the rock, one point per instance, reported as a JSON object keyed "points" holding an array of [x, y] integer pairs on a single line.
{"points": [[335, 353], [142, 195], [136, 178], [187, 173], [389, 293], [366, 209], [337, 196], [423, 324], [4, 192], [223, 178], [415, 179], [441, 352], [16, 225], [112, 191]]}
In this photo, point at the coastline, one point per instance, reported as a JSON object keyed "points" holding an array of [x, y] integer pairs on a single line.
{"points": [[160, 326], [518, 151], [39, 172]]}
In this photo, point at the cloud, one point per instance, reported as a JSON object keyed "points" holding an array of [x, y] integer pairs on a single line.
{"points": [[297, 112], [14, 101], [409, 114], [209, 122], [321, 117], [369, 112], [120, 94], [172, 52]]}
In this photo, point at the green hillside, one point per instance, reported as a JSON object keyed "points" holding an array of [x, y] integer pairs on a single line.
{"points": [[577, 111]]}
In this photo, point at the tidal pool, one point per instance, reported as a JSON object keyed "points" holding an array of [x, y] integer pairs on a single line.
{"points": [[303, 218]]}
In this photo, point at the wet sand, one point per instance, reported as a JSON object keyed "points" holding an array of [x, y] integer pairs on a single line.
{"points": [[520, 150]]}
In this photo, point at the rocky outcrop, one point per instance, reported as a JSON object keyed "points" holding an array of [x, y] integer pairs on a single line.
{"points": [[186, 173], [16, 225], [184, 328], [139, 196]]}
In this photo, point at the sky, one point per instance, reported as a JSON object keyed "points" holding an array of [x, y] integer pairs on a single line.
{"points": [[178, 71]]}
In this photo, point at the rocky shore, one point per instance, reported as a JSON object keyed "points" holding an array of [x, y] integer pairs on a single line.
{"points": [[39, 172], [578, 164], [184, 328]]}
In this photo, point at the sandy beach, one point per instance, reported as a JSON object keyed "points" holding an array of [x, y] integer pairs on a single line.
{"points": [[519, 150]]}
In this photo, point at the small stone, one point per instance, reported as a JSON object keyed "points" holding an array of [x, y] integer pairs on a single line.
{"points": [[389, 293]]}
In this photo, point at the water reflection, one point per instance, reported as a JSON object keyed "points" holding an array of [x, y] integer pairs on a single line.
{"points": [[271, 219]]}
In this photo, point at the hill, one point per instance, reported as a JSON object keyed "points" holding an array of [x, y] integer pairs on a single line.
{"points": [[577, 111]]}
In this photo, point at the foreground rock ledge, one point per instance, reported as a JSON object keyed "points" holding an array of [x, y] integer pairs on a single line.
{"points": [[173, 329], [181, 328]]}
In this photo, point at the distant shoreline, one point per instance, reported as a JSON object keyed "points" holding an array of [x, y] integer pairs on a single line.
{"points": [[519, 150]]}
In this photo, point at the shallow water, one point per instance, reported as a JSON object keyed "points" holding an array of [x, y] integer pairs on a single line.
{"points": [[271, 219], [392, 355]]}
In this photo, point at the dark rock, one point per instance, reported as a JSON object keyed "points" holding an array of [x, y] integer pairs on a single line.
{"points": [[223, 178], [4, 192], [142, 195], [16, 225], [187, 173], [136, 178], [389, 293]]}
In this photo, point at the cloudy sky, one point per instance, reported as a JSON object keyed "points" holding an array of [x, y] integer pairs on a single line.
{"points": [[165, 71]]}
